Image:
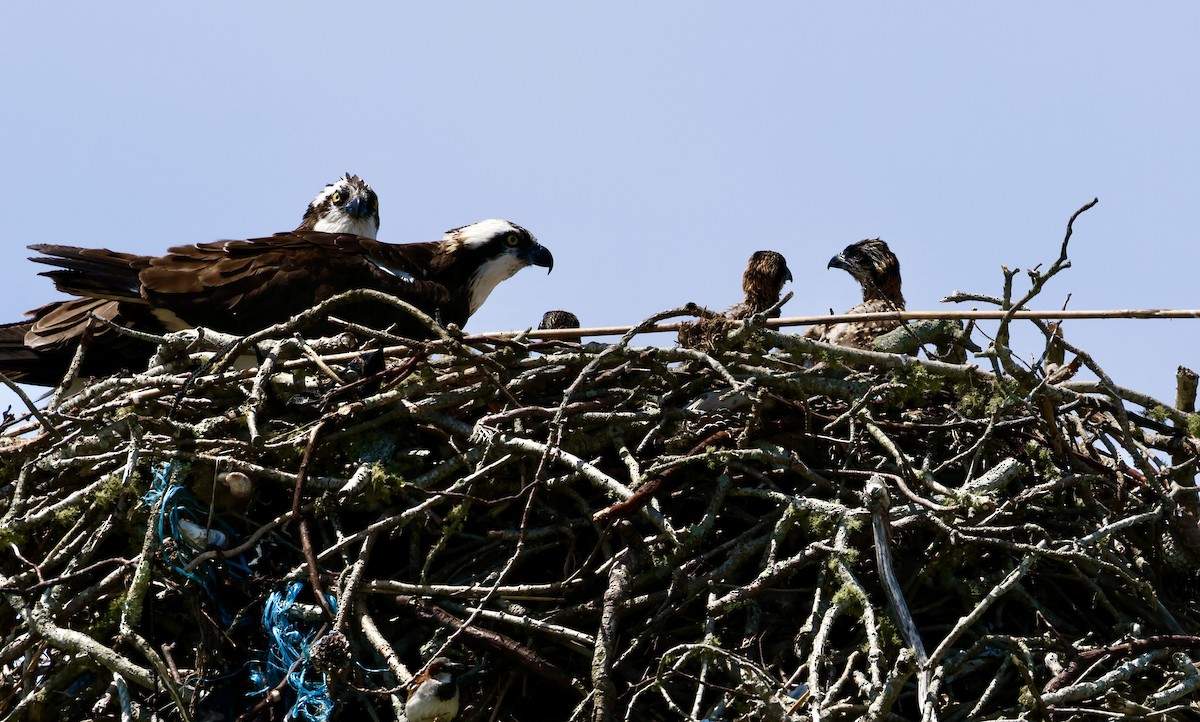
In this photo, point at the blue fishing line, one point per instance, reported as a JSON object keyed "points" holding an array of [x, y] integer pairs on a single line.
{"points": [[176, 503], [288, 658]]}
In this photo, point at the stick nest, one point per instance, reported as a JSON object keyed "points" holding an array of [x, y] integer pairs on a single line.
{"points": [[774, 529]]}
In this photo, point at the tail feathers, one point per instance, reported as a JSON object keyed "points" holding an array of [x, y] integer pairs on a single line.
{"points": [[39, 351], [19, 362], [97, 273]]}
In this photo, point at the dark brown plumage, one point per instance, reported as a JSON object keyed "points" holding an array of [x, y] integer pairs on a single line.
{"points": [[877, 271], [558, 319], [38, 351], [244, 285], [762, 282]]}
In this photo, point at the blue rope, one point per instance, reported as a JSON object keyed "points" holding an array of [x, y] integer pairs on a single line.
{"points": [[177, 504], [288, 658]]}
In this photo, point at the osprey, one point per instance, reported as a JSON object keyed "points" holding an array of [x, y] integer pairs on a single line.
{"points": [[877, 270], [433, 694], [558, 319], [241, 286], [38, 351], [348, 205], [762, 282]]}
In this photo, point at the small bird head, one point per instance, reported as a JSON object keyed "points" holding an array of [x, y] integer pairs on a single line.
{"points": [[433, 694], [348, 205], [875, 268], [558, 319], [500, 249], [441, 667]]}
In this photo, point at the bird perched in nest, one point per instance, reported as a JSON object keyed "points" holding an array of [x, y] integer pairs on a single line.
{"points": [[877, 270], [762, 284], [348, 205], [558, 319], [242, 286], [38, 351], [433, 694]]}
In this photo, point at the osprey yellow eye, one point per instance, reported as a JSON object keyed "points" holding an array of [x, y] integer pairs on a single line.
{"points": [[512, 240], [336, 197]]}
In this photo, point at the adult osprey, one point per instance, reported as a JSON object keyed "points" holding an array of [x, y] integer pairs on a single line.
{"points": [[241, 286], [39, 350], [348, 205], [877, 270]]}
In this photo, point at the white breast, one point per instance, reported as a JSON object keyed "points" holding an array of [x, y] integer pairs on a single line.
{"points": [[423, 705]]}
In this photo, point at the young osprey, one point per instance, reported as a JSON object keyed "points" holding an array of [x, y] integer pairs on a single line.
{"points": [[762, 282], [242, 286], [877, 270], [558, 319]]}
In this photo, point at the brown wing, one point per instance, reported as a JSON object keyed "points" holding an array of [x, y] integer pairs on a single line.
{"points": [[94, 272], [40, 350], [242, 286]]}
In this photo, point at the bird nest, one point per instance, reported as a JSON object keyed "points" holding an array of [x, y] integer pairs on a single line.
{"points": [[772, 528]]}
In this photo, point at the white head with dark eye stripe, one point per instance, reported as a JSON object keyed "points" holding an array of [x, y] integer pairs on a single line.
{"points": [[501, 248], [348, 205]]}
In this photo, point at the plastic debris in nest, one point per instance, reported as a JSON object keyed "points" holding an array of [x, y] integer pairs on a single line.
{"points": [[289, 662], [186, 528]]}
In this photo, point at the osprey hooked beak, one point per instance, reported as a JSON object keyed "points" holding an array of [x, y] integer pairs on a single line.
{"points": [[839, 261], [357, 207], [538, 255]]}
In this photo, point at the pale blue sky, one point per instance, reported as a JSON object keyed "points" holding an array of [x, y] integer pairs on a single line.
{"points": [[651, 146]]}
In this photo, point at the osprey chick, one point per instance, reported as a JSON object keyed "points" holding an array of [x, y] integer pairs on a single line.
{"points": [[877, 270], [762, 282], [558, 319]]}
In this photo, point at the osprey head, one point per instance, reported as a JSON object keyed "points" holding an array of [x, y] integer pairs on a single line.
{"points": [[499, 249], [874, 266], [348, 205], [766, 269], [558, 319]]}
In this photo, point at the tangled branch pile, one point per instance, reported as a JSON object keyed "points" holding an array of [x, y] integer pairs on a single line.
{"points": [[773, 529]]}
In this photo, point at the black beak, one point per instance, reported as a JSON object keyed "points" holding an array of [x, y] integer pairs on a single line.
{"points": [[357, 207], [539, 255], [839, 261], [788, 273]]}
